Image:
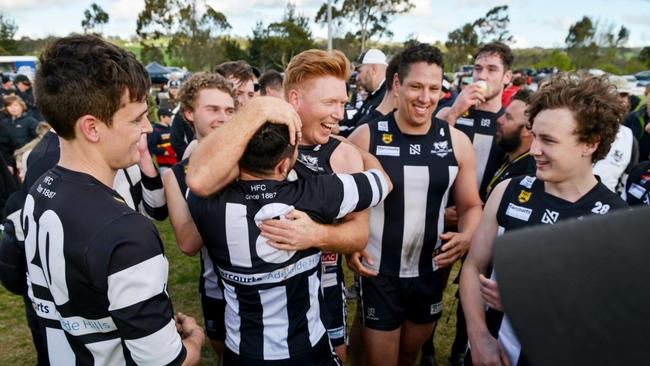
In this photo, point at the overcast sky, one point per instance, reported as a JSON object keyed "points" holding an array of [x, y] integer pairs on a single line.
{"points": [[541, 23]]}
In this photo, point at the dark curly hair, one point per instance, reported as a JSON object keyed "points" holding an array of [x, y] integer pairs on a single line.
{"points": [[497, 48], [420, 52], [80, 75], [593, 103], [266, 149]]}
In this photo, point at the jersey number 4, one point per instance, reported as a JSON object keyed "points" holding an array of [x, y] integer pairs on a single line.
{"points": [[45, 238]]}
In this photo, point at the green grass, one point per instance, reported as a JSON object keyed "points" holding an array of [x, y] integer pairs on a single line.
{"points": [[16, 347]]}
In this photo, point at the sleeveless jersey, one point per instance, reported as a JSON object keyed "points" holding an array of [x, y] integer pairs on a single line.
{"points": [[273, 297], [638, 184], [525, 204], [481, 128], [404, 229], [97, 275], [208, 282]]}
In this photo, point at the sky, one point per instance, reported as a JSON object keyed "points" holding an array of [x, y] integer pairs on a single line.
{"points": [[533, 23]]}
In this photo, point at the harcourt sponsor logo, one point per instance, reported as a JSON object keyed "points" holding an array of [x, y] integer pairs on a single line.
{"points": [[550, 217], [414, 149]]}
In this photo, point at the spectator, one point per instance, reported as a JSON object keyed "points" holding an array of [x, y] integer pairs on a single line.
{"points": [[7, 87], [18, 122], [26, 93], [169, 99], [637, 122], [159, 141]]}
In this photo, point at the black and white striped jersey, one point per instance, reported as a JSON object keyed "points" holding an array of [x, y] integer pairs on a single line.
{"points": [[273, 297], [209, 282], [97, 275], [525, 203], [405, 228], [481, 128]]}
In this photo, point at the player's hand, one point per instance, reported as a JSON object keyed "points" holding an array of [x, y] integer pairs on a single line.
{"points": [[487, 351], [146, 162], [456, 246], [451, 216], [354, 263], [279, 112], [470, 96], [490, 293], [187, 327], [297, 232]]}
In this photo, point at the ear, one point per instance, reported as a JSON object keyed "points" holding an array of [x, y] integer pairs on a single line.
{"points": [[283, 166], [293, 98], [396, 84], [89, 127], [590, 147], [507, 77], [189, 115]]}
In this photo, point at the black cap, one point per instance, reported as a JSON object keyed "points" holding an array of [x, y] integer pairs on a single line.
{"points": [[164, 112], [5, 79], [22, 79]]}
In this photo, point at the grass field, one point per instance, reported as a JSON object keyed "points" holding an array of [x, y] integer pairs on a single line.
{"points": [[16, 347]]}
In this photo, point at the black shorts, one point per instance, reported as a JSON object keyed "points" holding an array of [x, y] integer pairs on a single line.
{"points": [[213, 315], [387, 301], [320, 355], [334, 298]]}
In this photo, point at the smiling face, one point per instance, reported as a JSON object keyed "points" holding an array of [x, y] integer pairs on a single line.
{"points": [[489, 68], [212, 109], [319, 103], [119, 141], [557, 151], [418, 94]]}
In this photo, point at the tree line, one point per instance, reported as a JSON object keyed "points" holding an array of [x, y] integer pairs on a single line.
{"points": [[192, 33]]}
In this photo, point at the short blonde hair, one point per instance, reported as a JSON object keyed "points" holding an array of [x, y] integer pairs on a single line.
{"points": [[312, 64], [11, 99]]}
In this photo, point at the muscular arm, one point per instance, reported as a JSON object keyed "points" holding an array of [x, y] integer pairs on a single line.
{"points": [[187, 236], [468, 202], [475, 264], [214, 163]]}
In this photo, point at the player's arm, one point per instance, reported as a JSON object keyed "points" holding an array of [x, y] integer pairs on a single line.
{"points": [[214, 164], [484, 347], [127, 260], [467, 98], [468, 202], [187, 236]]}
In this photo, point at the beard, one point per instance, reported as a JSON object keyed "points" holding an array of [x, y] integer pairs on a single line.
{"points": [[510, 142]]}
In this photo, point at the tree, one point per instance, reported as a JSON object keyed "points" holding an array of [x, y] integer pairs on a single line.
{"points": [[370, 18], [275, 45], [8, 28], [93, 18], [581, 43], [494, 25], [644, 55], [558, 59], [190, 33], [461, 45]]}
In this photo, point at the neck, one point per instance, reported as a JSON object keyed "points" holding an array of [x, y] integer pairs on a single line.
{"points": [[77, 158], [575, 187], [378, 85], [387, 104], [246, 175], [411, 129], [493, 105], [517, 153]]}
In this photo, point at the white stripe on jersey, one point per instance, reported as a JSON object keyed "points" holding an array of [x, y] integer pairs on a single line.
{"points": [[14, 217], [58, 349], [453, 172], [210, 280], [128, 286], [416, 186], [281, 274], [107, 352], [158, 348], [482, 146], [350, 195], [377, 217], [373, 175], [314, 323], [276, 323], [231, 318], [237, 235]]}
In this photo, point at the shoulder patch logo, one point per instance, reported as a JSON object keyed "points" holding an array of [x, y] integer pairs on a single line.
{"points": [[528, 181], [387, 138], [382, 126], [466, 113], [441, 149], [524, 196]]}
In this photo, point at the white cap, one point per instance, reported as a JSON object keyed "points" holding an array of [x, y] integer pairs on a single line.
{"points": [[372, 56]]}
